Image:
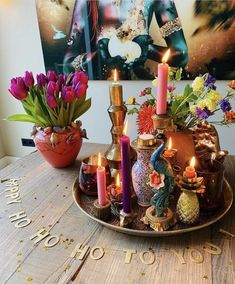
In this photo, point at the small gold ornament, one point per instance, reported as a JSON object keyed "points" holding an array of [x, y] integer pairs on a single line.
{"points": [[188, 206]]}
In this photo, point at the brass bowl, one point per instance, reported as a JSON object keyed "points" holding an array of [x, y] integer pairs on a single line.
{"points": [[85, 204]]}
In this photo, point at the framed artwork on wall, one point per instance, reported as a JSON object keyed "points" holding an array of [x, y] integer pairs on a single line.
{"points": [[132, 36]]}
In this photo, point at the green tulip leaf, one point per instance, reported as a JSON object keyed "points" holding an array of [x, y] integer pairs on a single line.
{"points": [[82, 109], [22, 117]]}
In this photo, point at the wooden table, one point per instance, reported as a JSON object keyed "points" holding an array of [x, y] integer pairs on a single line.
{"points": [[46, 198]]}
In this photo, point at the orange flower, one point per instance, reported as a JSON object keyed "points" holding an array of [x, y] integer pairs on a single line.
{"points": [[230, 115], [156, 180], [232, 84], [144, 119]]}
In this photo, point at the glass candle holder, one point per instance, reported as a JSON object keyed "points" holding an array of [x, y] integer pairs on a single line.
{"points": [[211, 200], [87, 175]]}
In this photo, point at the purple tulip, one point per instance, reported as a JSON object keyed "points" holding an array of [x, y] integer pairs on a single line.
{"points": [[80, 90], [18, 88], [28, 79], [80, 77], [51, 101], [52, 89], [68, 94], [61, 81], [51, 76], [41, 80]]}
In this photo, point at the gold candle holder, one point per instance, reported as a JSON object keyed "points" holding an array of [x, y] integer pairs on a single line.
{"points": [[117, 113]]}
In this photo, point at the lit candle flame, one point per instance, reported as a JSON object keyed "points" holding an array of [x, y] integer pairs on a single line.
{"points": [[166, 56], [115, 75], [124, 132], [170, 144], [118, 180], [99, 160], [192, 162]]}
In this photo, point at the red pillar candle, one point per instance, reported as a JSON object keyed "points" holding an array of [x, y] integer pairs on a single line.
{"points": [[190, 170], [126, 171], [162, 85], [101, 183]]}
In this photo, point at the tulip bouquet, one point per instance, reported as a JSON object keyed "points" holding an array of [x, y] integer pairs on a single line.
{"points": [[54, 100], [197, 102]]}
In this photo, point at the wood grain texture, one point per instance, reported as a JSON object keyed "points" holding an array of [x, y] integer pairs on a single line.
{"points": [[47, 200]]}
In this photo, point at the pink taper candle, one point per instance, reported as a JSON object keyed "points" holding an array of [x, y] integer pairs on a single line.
{"points": [[162, 84], [101, 183]]}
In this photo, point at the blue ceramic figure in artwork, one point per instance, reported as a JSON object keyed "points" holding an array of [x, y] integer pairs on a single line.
{"points": [[161, 180]]}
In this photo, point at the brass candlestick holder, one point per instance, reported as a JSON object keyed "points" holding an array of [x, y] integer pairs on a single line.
{"points": [[117, 113]]}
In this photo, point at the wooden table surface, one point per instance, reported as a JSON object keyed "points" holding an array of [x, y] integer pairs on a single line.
{"points": [[46, 198]]}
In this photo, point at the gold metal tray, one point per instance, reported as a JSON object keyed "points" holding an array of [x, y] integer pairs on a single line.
{"points": [[85, 204]]}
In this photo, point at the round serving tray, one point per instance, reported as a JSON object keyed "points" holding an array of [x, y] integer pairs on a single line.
{"points": [[85, 204]]}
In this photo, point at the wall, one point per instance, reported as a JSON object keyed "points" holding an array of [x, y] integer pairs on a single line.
{"points": [[20, 50], [2, 152]]}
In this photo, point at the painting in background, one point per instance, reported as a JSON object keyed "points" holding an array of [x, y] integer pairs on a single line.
{"points": [[132, 36]]}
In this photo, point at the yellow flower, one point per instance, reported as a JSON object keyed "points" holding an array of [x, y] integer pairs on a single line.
{"points": [[214, 96], [193, 109], [210, 104], [154, 82], [202, 104], [131, 100], [178, 96], [198, 84]]}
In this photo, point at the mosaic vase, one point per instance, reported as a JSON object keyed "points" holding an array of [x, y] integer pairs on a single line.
{"points": [[140, 176]]}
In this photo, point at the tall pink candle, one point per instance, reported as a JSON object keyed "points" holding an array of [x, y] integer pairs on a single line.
{"points": [[162, 84], [101, 183]]}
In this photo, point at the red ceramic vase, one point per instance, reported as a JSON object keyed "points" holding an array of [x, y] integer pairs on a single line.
{"points": [[59, 149]]}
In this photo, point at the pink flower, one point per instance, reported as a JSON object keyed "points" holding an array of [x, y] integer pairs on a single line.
{"points": [[28, 79], [80, 90], [156, 180], [61, 81], [51, 76], [18, 88], [68, 94], [41, 80], [51, 101], [170, 88], [52, 89], [146, 91], [79, 77]]}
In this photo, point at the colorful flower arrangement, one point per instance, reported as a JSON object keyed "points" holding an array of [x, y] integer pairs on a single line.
{"points": [[54, 100], [199, 101]]}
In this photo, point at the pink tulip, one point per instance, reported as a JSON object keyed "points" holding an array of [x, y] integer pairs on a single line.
{"points": [[51, 101], [80, 90], [68, 94], [51, 76], [41, 80], [80, 77], [52, 89], [60, 81], [28, 79], [18, 88]]}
